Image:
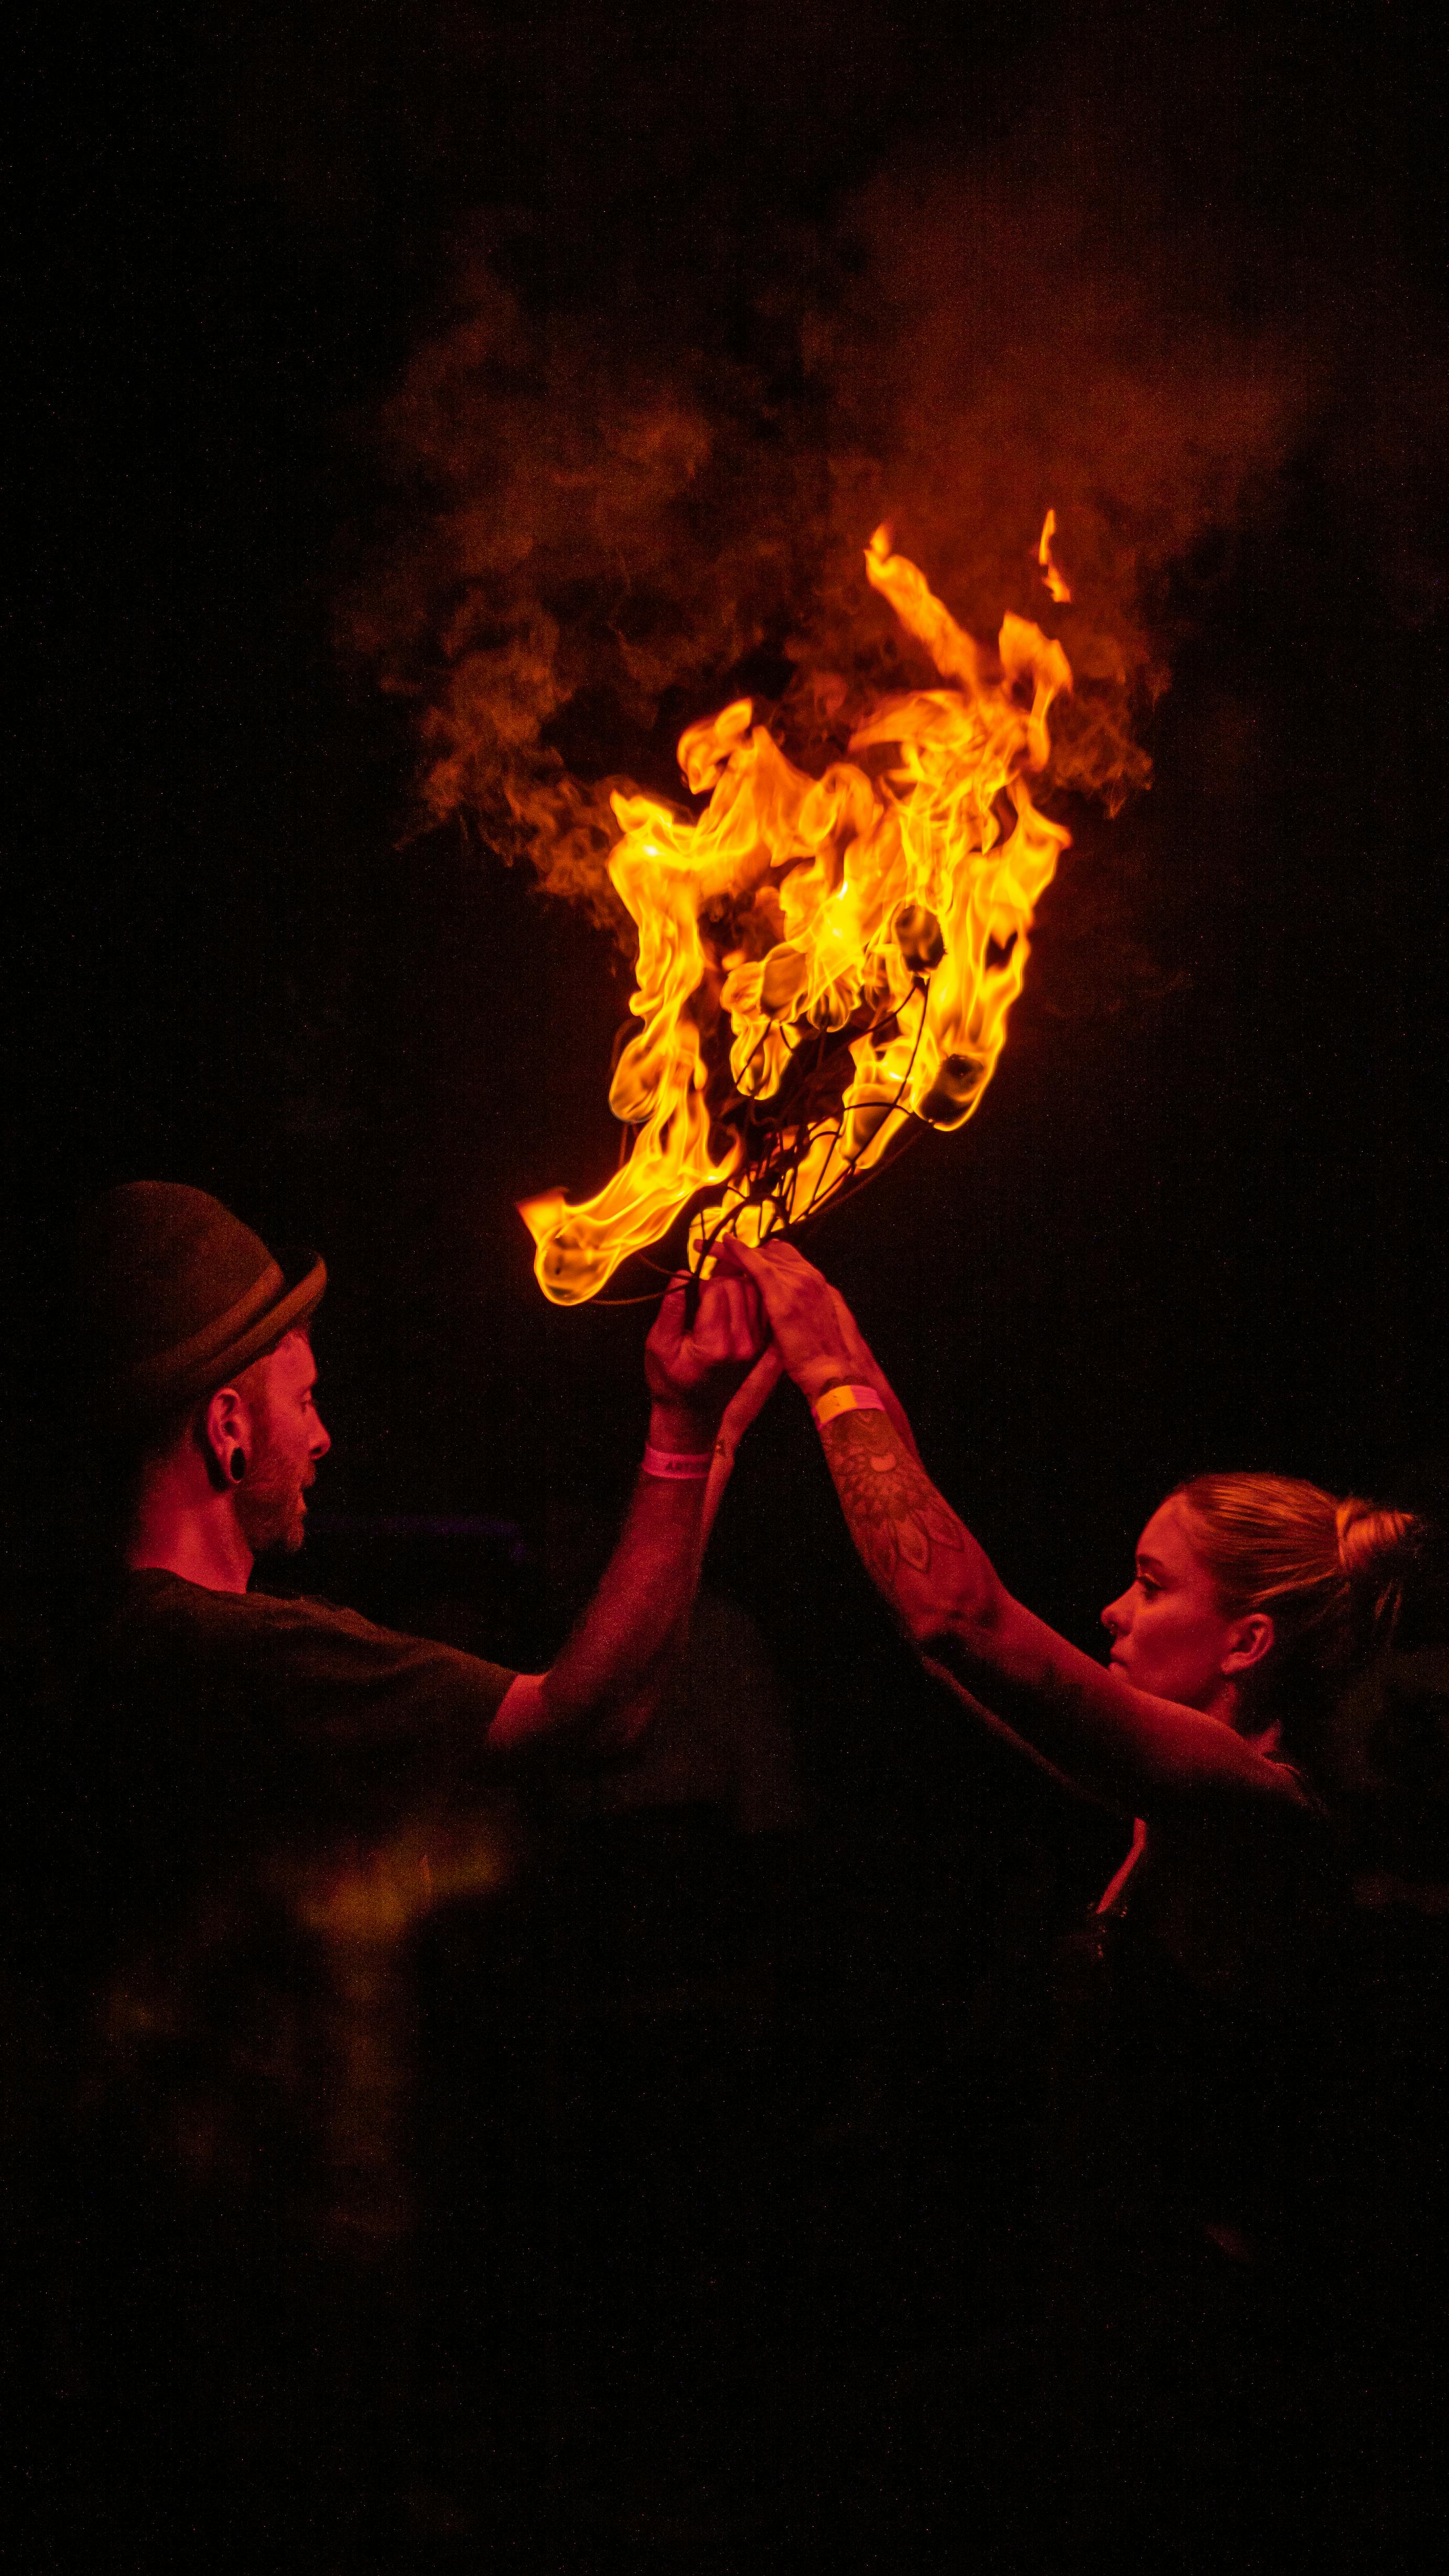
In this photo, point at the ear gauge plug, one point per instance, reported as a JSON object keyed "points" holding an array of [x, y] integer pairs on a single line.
{"points": [[236, 1465]]}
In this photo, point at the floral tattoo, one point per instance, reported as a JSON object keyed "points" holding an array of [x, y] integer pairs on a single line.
{"points": [[895, 1515]]}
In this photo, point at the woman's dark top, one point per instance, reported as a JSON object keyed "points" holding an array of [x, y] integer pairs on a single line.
{"points": [[1209, 1987]]}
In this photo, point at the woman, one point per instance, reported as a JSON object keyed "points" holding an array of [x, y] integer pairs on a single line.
{"points": [[1196, 2150], [1254, 1598]]}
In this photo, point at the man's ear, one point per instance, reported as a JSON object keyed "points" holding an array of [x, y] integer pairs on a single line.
{"points": [[224, 1431], [1252, 1639]]}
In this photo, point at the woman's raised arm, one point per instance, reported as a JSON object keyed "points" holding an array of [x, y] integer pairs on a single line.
{"points": [[1142, 1755]]}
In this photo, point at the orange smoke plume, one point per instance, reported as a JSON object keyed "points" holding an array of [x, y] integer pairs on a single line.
{"points": [[824, 964]]}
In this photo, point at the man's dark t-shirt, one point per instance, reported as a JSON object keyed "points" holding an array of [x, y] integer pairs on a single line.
{"points": [[263, 1797]]}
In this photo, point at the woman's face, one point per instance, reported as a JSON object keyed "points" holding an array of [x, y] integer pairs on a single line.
{"points": [[1169, 1632]]}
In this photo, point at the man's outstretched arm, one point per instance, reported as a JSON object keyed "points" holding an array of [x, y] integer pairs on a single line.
{"points": [[706, 1383]]}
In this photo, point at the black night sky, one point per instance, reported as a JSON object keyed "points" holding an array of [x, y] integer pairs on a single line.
{"points": [[1198, 1220]]}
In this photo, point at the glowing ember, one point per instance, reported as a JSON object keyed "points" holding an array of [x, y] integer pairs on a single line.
{"points": [[822, 961]]}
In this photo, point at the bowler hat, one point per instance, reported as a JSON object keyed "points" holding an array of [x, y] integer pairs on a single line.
{"points": [[176, 1295]]}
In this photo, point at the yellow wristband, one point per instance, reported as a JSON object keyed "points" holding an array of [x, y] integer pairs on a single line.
{"points": [[848, 1399]]}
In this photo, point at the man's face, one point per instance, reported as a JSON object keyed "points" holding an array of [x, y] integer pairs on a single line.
{"points": [[287, 1439]]}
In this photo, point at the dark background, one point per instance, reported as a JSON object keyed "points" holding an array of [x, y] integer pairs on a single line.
{"points": [[1199, 1224]]}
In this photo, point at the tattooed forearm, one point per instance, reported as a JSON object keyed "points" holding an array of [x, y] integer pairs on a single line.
{"points": [[897, 1519]]}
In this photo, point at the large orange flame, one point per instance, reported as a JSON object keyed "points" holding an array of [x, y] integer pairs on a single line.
{"points": [[864, 935]]}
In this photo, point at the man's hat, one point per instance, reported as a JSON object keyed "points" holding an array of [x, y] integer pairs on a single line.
{"points": [[177, 1295]]}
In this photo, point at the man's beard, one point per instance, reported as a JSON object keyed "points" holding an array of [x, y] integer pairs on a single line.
{"points": [[270, 1507]]}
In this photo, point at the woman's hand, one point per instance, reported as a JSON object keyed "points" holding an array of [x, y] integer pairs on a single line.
{"points": [[819, 1339], [693, 1371]]}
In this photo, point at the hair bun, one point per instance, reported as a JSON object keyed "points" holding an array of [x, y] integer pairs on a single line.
{"points": [[1375, 1546]]}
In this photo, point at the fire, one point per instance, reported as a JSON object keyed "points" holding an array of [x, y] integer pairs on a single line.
{"points": [[1054, 580], [822, 961]]}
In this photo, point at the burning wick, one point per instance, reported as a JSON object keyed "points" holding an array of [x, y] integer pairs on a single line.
{"points": [[825, 964], [1053, 579]]}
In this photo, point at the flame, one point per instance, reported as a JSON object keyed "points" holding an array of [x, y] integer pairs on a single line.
{"points": [[1054, 580], [822, 961]]}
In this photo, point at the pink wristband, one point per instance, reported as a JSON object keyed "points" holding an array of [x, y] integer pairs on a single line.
{"points": [[848, 1399], [679, 1464]]}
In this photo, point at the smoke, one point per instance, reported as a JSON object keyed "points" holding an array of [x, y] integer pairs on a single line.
{"points": [[611, 514], [593, 533]]}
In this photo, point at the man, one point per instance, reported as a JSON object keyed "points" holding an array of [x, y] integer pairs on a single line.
{"points": [[260, 1796], [208, 1373]]}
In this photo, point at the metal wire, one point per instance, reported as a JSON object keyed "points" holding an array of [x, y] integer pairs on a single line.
{"points": [[747, 1186], [785, 1137]]}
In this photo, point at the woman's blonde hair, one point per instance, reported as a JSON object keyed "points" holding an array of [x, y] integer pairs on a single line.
{"points": [[1329, 1572]]}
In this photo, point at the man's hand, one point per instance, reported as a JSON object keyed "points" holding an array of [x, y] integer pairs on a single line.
{"points": [[819, 1339], [748, 1400], [708, 1381], [693, 1371]]}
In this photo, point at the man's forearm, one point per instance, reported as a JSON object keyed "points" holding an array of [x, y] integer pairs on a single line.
{"points": [[602, 1690], [707, 1377]]}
